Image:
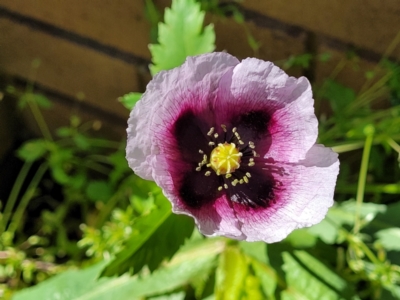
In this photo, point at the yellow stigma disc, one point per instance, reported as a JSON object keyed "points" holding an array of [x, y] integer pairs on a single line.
{"points": [[225, 158]]}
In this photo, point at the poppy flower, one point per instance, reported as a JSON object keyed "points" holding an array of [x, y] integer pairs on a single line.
{"points": [[232, 144]]}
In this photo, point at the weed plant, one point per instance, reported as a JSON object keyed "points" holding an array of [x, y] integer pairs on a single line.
{"points": [[107, 234]]}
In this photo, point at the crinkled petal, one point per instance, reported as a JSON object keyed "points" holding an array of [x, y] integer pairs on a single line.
{"points": [[191, 85], [213, 218], [302, 200], [256, 85]]}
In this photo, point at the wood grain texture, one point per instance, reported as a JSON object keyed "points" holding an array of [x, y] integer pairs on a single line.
{"points": [[368, 24], [73, 70]]}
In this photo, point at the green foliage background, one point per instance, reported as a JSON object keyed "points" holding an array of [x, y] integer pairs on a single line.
{"points": [[131, 246]]}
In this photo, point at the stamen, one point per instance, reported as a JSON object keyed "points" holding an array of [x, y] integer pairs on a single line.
{"points": [[215, 135], [255, 154], [234, 129], [248, 175], [220, 188], [211, 143], [211, 131], [201, 151], [241, 181], [235, 182], [251, 162], [246, 179], [228, 175], [198, 169], [208, 173], [251, 145], [223, 127], [225, 186]]}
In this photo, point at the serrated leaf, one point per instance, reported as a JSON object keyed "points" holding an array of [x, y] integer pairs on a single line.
{"points": [[160, 234], [32, 150], [86, 284], [308, 278], [231, 274], [129, 100], [181, 35], [66, 286], [389, 238]]}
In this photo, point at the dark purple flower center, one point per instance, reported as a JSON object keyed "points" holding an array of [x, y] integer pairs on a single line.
{"points": [[224, 158]]}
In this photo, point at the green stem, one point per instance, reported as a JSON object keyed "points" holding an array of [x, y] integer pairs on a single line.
{"points": [[392, 143], [40, 121], [107, 209], [14, 194], [27, 197], [362, 178]]}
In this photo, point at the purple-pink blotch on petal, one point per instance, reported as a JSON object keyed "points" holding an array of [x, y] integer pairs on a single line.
{"points": [[233, 144]]}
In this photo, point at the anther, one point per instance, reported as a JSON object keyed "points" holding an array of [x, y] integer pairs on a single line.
{"points": [[246, 179], [201, 151], [255, 154], [225, 186], [248, 175], [223, 127], [211, 143], [211, 131], [215, 135], [234, 129], [251, 164], [251, 145], [220, 188], [198, 169], [241, 181], [208, 173], [228, 175], [235, 182]]}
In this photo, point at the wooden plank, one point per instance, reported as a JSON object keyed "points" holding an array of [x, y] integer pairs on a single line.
{"points": [[274, 45], [65, 67], [367, 24], [118, 23]]}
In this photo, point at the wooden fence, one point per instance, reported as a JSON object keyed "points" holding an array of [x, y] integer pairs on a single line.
{"points": [[93, 51]]}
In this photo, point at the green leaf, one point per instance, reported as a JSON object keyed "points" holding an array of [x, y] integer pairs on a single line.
{"points": [[38, 99], [129, 100], [86, 284], [99, 190], [267, 277], [302, 238], [66, 286], [343, 214], [81, 141], [32, 150], [389, 238], [160, 234], [180, 36], [308, 278], [257, 250], [231, 274], [338, 95], [59, 160]]}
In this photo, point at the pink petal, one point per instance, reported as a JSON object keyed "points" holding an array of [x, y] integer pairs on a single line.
{"points": [[166, 96], [258, 85], [302, 200]]}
